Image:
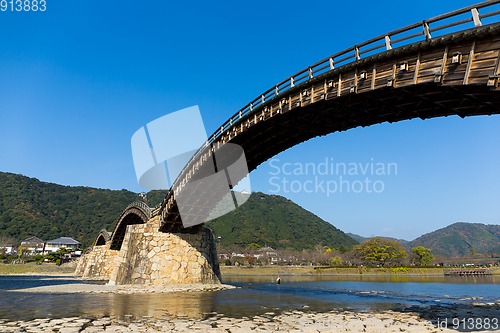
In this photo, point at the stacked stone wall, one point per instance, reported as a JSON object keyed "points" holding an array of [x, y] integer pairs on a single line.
{"points": [[98, 263], [149, 256]]}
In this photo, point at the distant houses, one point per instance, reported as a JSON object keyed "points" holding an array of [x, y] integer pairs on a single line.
{"points": [[270, 253], [10, 249], [35, 245], [266, 255], [66, 242]]}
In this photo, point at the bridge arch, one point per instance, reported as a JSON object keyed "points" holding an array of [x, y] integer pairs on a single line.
{"points": [[453, 74], [135, 213], [102, 238]]}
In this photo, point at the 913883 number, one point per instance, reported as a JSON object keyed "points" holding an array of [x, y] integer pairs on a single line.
{"points": [[23, 5], [475, 323]]}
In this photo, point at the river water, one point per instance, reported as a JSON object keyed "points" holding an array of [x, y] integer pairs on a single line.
{"points": [[256, 296]]}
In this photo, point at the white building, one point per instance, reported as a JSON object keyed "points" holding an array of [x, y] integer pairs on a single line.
{"points": [[66, 242], [33, 245], [8, 249]]}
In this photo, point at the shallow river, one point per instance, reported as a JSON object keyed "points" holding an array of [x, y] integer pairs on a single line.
{"points": [[256, 295]]}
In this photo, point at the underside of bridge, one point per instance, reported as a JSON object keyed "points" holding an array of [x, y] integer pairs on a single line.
{"points": [[418, 81], [130, 217], [102, 238], [423, 80], [100, 241], [283, 131]]}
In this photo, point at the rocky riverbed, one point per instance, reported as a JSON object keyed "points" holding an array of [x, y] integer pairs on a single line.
{"points": [[416, 319], [296, 321]]}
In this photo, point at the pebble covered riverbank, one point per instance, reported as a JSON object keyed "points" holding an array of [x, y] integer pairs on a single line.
{"points": [[414, 319], [125, 289], [295, 321]]}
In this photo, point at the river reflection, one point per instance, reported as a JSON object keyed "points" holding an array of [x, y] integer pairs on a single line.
{"points": [[193, 305], [256, 295]]}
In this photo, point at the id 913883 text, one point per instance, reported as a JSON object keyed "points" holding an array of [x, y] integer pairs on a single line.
{"points": [[23, 5]]}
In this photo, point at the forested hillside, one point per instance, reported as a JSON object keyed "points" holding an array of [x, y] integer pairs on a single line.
{"points": [[155, 197], [360, 239], [277, 222], [29, 207], [459, 238]]}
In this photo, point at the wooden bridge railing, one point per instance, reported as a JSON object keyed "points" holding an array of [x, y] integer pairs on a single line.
{"points": [[142, 205], [434, 27]]}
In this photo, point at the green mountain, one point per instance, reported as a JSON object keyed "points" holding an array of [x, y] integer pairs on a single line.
{"points": [[457, 239], [29, 207], [277, 222], [155, 197], [360, 239], [356, 237], [270, 220]]}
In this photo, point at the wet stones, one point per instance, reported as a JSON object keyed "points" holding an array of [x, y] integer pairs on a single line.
{"points": [[289, 321]]}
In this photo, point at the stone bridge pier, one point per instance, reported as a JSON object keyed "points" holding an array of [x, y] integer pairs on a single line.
{"points": [[137, 253]]}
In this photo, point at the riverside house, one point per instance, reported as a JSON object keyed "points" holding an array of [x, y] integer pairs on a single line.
{"points": [[33, 245], [67, 242]]}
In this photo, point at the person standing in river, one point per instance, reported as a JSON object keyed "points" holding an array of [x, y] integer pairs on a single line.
{"points": [[278, 280]]}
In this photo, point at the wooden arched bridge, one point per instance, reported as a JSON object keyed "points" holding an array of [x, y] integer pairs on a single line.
{"points": [[446, 65]]}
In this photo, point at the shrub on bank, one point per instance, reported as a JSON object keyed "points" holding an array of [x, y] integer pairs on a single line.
{"points": [[328, 267], [400, 270], [375, 267]]}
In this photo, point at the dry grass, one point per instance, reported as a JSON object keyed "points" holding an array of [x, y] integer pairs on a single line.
{"points": [[285, 270], [267, 270], [35, 269], [496, 271]]}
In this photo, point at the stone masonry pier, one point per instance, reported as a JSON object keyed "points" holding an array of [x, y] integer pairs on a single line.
{"points": [[147, 256]]}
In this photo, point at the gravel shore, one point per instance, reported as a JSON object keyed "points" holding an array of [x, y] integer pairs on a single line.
{"points": [[124, 289], [295, 321], [464, 317], [434, 318]]}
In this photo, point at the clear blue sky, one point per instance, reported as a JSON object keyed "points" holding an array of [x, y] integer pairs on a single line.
{"points": [[77, 80]]}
